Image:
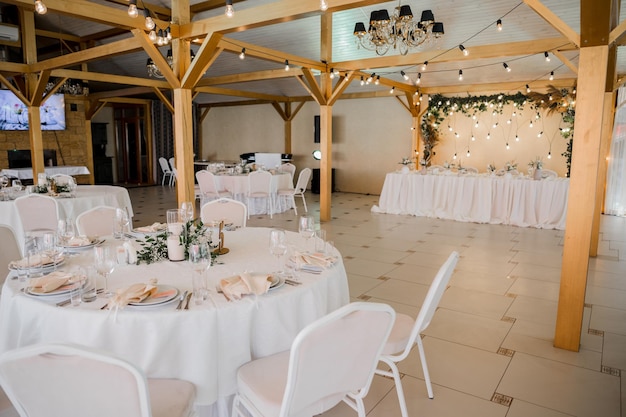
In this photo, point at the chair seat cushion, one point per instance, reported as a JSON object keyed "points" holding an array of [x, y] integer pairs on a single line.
{"points": [[171, 397], [400, 334], [258, 195], [263, 382], [286, 191]]}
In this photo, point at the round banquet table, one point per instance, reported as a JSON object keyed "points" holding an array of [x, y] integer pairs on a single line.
{"points": [[204, 344], [87, 197], [237, 185]]}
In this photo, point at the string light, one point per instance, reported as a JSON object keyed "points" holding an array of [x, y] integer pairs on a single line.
{"points": [[454, 157], [549, 154], [551, 75], [531, 124], [132, 9], [424, 65], [242, 55], [547, 56], [468, 153], [323, 5], [516, 138], [507, 146], [460, 75], [40, 7], [149, 22], [488, 135], [499, 25], [286, 65], [419, 78], [377, 80], [406, 77], [332, 73], [229, 11], [392, 90], [152, 35], [539, 134], [527, 88], [506, 67], [362, 80], [465, 51]]}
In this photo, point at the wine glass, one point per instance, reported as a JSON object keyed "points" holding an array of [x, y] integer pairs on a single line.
{"points": [[306, 227], [186, 208], [50, 247], [66, 230], [105, 265], [122, 221], [278, 246]]}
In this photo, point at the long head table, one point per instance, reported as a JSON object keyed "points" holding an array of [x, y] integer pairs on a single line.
{"points": [[87, 197], [27, 173], [480, 198], [205, 344]]}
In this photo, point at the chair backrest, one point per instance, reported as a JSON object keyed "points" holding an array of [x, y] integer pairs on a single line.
{"points": [[10, 250], [288, 167], [334, 356], [206, 181], [259, 182], [63, 179], [72, 381], [546, 173], [98, 221], [37, 212], [165, 167], [303, 180], [172, 163], [224, 209], [434, 294]]}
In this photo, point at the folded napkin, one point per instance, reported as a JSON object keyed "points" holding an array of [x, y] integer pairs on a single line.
{"points": [[154, 227], [78, 241], [35, 260], [49, 282], [135, 293], [309, 260], [131, 253], [239, 285]]}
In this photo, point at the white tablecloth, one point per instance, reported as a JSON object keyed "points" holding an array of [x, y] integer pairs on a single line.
{"points": [[27, 173], [87, 197], [238, 187], [477, 198], [205, 344]]}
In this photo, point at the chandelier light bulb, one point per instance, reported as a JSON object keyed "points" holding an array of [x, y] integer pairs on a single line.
{"points": [[499, 25], [323, 5], [40, 7], [152, 36], [460, 75], [465, 51], [286, 65], [229, 11], [547, 56], [132, 9], [551, 75], [424, 65], [242, 55]]}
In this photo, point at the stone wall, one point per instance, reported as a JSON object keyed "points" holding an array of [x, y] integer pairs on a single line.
{"points": [[70, 144]]}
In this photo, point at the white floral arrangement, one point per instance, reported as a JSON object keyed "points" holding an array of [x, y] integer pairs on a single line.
{"points": [[510, 166], [491, 168], [423, 162], [446, 164], [405, 161], [536, 163]]}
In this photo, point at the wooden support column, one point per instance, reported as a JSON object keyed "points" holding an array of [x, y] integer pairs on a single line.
{"points": [[288, 119], [593, 63], [326, 119], [183, 144], [605, 145]]}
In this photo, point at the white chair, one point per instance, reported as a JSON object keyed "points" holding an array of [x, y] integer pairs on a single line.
{"points": [[174, 176], [166, 171], [260, 187], [289, 168], [63, 179], [224, 209], [208, 187], [76, 381], [98, 221], [303, 182], [331, 360], [10, 251], [406, 332], [37, 213], [548, 173], [471, 170]]}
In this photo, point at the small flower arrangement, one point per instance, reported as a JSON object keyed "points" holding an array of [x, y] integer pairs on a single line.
{"points": [[423, 163], [405, 161], [536, 163], [491, 168], [510, 166], [446, 164]]}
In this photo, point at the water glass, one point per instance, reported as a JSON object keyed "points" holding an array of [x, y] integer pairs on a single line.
{"points": [[306, 227], [105, 264], [66, 230], [91, 284], [320, 241], [278, 246], [200, 287], [121, 223]]}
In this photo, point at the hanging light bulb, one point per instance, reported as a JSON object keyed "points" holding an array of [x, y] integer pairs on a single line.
{"points": [[332, 73], [473, 138], [132, 9], [539, 134], [149, 22], [465, 51], [392, 90], [450, 128], [242, 55], [424, 65], [506, 67], [168, 33], [550, 97], [160, 38], [507, 146], [152, 36], [286, 65], [531, 124], [406, 77], [549, 155], [40, 7], [468, 153], [527, 88], [551, 75], [547, 56], [419, 78], [460, 75], [229, 11], [456, 134], [323, 5], [336, 72], [377, 80], [499, 25], [362, 80], [488, 135], [516, 138], [454, 157], [476, 124]]}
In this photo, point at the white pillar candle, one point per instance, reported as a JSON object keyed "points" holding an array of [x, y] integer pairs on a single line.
{"points": [[175, 228], [175, 251], [42, 179]]}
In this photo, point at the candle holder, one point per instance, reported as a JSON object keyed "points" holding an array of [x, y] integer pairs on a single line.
{"points": [[221, 250]]}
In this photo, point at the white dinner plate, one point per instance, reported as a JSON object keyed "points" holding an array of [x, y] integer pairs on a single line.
{"points": [[277, 282], [62, 290], [150, 301], [93, 242], [44, 269]]}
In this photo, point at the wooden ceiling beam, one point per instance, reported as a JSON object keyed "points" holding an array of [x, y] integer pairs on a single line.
{"points": [[250, 76], [498, 87], [156, 56], [205, 57], [110, 78], [240, 93], [554, 21], [566, 61], [125, 92], [618, 35]]}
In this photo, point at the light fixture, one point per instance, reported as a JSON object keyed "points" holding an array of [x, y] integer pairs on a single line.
{"points": [[149, 21], [424, 65], [286, 65], [152, 35], [132, 9], [398, 31], [531, 124], [362, 80], [242, 55], [70, 86], [499, 25], [465, 51], [404, 75], [153, 70], [323, 5], [336, 72], [468, 153], [229, 11], [507, 146], [317, 154], [547, 56], [40, 7], [460, 75], [332, 73], [488, 135], [551, 75], [392, 90], [549, 154], [377, 80], [454, 157], [516, 138], [506, 67], [419, 78], [539, 134], [527, 88]]}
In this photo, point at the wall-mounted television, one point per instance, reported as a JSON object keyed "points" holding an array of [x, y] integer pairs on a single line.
{"points": [[14, 114]]}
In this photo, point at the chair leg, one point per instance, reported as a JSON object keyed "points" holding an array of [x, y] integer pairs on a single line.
{"points": [[304, 202], [271, 204], [395, 374], [429, 386], [293, 202]]}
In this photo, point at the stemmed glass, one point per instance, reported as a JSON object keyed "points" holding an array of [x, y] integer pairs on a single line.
{"points": [[278, 246], [105, 265], [306, 227], [122, 221], [50, 247], [66, 230], [186, 209]]}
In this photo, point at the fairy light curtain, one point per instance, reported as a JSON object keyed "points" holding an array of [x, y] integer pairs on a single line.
{"points": [[615, 202]]}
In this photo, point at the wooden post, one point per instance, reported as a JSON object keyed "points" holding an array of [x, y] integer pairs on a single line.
{"points": [[593, 63], [326, 129]]}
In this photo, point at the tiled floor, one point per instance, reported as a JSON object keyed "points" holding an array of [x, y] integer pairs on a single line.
{"points": [[489, 346]]}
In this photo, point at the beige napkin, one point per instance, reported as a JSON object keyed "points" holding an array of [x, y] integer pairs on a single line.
{"points": [[313, 259], [78, 241], [239, 285], [154, 227], [135, 293], [50, 282], [35, 260]]}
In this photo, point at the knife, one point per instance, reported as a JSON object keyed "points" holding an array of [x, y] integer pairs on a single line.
{"points": [[182, 298], [188, 299]]}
